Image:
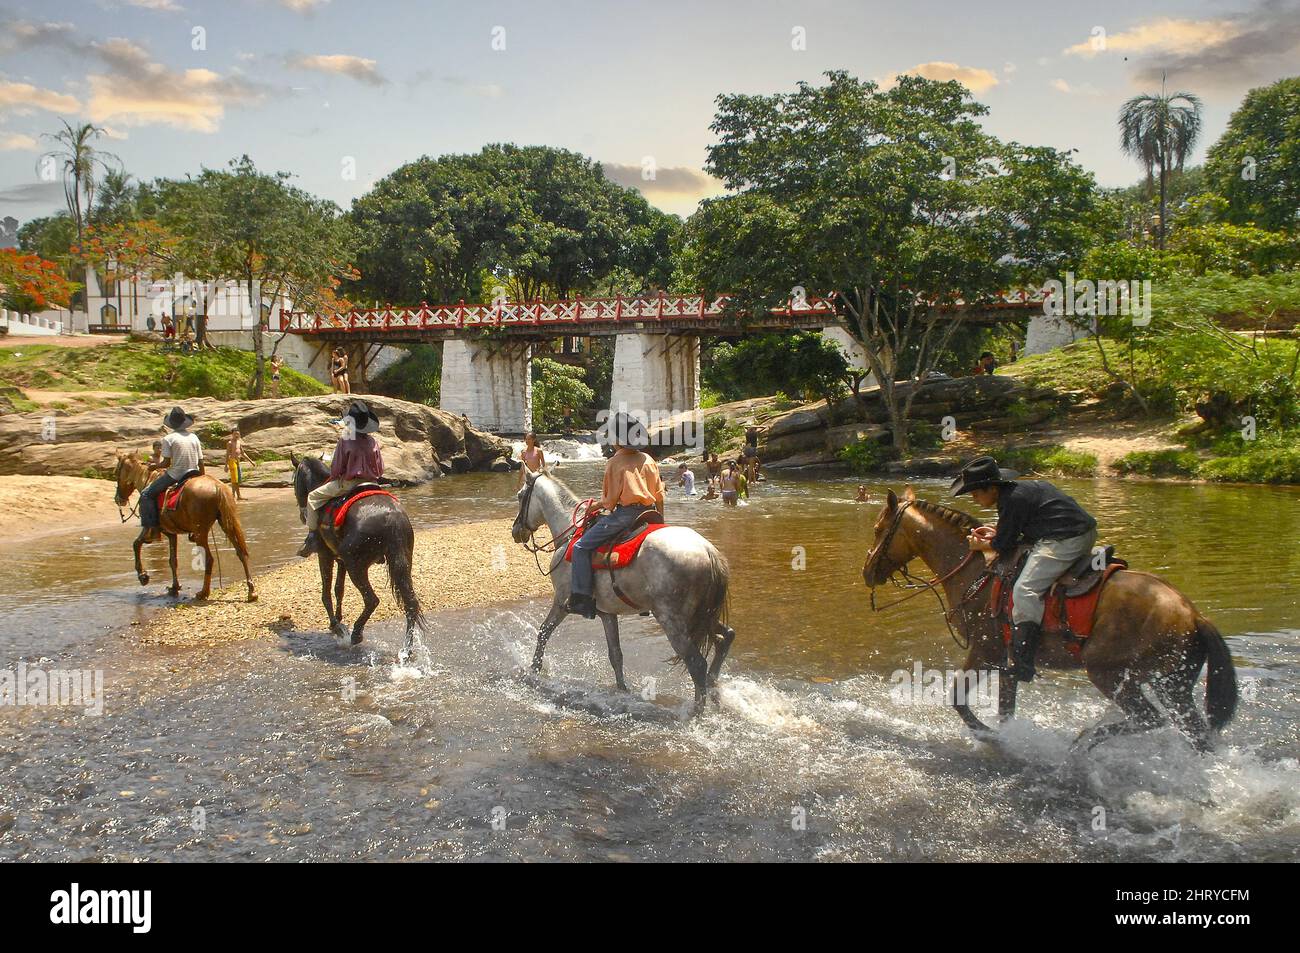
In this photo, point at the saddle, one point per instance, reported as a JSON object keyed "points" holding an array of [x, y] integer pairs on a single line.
{"points": [[1070, 608], [619, 553], [335, 511], [172, 495]]}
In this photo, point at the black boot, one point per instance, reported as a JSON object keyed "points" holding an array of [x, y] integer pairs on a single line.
{"points": [[1024, 646], [311, 545], [584, 606]]}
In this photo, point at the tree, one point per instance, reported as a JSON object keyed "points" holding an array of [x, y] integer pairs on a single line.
{"points": [[761, 364], [255, 226], [1255, 164], [896, 202], [555, 387], [1160, 131], [136, 248], [116, 199], [79, 159], [30, 283]]}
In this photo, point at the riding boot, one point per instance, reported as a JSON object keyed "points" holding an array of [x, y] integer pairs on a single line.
{"points": [[311, 544], [584, 606], [1024, 646]]}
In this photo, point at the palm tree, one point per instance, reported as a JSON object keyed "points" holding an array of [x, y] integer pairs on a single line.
{"points": [[80, 160], [116, 201], [1160, 131]]}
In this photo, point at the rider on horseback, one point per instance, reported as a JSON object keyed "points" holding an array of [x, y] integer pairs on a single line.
{"points": [[356, 460], [182, 454], [632, 486], [1034, 512]]}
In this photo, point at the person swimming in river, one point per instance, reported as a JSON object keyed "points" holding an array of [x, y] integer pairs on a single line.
{"points": [[862, 494], [533, 457], [729, 484]]}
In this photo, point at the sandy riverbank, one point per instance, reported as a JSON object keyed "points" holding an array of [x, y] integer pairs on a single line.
{"points": [[456, 567], [39, 506]]}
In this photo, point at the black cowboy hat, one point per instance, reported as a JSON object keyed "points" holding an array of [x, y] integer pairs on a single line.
{"points": [[979, 473], [624, 430], [365, 419], [177, 419]]}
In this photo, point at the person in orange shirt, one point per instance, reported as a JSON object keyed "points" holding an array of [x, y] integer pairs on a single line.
{"points": [[632, 486]]}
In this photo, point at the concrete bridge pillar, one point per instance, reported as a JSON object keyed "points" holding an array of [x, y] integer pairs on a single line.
{"points": [[852, 349], [1047, 332], [656, 374], [490, 383]]}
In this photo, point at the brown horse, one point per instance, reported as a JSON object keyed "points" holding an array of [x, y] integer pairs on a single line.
{"points": [[1145, 652], [204, 501]]}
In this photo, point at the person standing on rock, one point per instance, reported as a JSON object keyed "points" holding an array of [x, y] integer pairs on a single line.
{"points": [[339, 371], [235, 454], [356, 460], [182, 454], [277, 362]]}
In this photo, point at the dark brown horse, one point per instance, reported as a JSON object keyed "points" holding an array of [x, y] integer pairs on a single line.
{"points": [[376, 530], [203, 501], [1146, 649]]}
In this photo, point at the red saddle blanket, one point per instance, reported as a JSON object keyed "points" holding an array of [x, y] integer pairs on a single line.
{"points": [[1069, 617], [172, 496], [340, 508], [617, 556]]}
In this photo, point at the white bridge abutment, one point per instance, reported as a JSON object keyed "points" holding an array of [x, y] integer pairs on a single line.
{"points": [[853, 350], [656, 376], [490, 382]]}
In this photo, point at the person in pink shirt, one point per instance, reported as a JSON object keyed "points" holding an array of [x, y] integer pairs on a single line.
{"points": [[356, 460]]}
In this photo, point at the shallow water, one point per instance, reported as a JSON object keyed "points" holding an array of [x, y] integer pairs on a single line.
{"points": [[300, 750]]}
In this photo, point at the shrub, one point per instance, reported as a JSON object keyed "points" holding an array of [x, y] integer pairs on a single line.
{"points": [[719, 431], [1052, 459], [866, 456], [1183, 463]]}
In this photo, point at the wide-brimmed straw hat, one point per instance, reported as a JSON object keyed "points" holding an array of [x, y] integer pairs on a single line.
{"points": [[177, 419], [979, 473]]}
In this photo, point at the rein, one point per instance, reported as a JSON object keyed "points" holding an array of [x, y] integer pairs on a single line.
{"points": [[557, 539], [118, 480], [932, 585]]}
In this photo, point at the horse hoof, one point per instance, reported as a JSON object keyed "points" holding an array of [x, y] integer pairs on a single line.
{"points": [[356, 639], [144, 578], [252, 596]]}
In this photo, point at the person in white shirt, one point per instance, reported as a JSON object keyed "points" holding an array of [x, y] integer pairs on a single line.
{"points": [[182, 454], [686, 479]]}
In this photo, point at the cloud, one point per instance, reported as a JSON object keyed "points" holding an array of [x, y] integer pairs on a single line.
{"points": [[671, 184], [1079, 89], [130, 89], [341, 64], [16, 142], [24, 97], [974, 78], [163, 6], [1254, 45], [302, 6], [31, 193]]}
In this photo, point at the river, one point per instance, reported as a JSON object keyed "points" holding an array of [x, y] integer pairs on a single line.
{"points": [[298, 750]]}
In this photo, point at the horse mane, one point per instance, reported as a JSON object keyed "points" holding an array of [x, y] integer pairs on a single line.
{"points": [[316, 465], [567, 496], [949, 514]]}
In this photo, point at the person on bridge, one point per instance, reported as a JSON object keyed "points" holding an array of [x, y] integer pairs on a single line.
{"points": [[356, 460], [632, 486], [1035, 512]]}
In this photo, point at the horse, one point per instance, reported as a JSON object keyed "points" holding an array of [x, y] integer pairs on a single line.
{"points": [[375, 530], [678, 575], [1146, 649], [204, 500]]}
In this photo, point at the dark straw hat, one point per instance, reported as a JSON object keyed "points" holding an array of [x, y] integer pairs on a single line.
{"points": [[362, 416], [979, 473], [177, 419]]}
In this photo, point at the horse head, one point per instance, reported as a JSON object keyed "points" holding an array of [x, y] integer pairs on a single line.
{"points": [[891, 550], [126, 477], [530, 515], [308, 473]]}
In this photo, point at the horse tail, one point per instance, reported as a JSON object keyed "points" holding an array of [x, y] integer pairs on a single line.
{"points": [[398, 548], [1220, 676], [228, 519], [713, 606]]}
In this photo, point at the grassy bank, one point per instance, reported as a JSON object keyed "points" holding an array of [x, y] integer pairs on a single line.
{"points": [[132, 370]]}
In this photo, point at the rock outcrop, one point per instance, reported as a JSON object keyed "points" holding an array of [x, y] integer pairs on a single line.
{"points": [[419, 443]]}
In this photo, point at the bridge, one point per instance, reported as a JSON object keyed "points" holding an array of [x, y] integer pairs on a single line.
{"points": [[487, 348]]}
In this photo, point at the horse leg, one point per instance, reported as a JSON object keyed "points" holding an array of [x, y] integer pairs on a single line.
{"points": [[175, 590], [680, 639], [326, 562], [361, 579], [208, 563], [139, 568], [553, 618], [1142, 715], [340, 583], [1006, 696], [610, 621], [974, 658], [724, 634], [1181, 708]]}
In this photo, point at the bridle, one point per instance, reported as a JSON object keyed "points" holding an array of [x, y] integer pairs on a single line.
{"points": [[557, 540], [117, 492], [920, 585]]}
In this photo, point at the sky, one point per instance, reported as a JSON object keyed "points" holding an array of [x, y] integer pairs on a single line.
{"points": [[341, 92]]}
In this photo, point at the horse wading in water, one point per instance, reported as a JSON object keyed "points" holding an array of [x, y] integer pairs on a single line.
{"points": [[1146, 649], [204, 500], [678, 575]]}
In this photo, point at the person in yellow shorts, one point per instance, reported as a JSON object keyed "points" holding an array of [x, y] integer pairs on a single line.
{"points": [[235, 455]]}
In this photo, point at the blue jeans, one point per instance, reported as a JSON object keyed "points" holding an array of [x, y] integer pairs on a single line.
{"points": [[149, 515], [608, 527]]}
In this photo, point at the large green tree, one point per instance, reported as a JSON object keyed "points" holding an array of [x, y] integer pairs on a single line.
{"points": [[1255, 164], [894, 200], [533, 220], [253, 225]]}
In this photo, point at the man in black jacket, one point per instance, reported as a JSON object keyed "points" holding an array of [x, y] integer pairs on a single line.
{"points": [[1058, 529]]}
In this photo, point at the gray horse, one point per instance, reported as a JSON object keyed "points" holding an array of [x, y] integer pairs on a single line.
{"points": [[678, 575]]}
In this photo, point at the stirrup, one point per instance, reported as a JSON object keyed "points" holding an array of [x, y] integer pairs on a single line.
{"points": [[310, 545]]}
